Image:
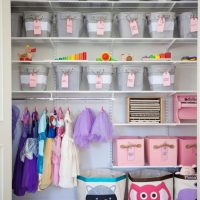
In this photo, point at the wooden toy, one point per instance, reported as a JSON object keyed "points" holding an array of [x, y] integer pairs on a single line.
{"points": [[126, 57], [158, 57], [77, 56], [189, 58], [105, 56], [27, 56]]}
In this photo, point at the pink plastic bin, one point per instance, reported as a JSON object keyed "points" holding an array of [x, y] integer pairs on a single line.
{"points": [[128, 151], [185, 108], [161, 150], [187, 153]]}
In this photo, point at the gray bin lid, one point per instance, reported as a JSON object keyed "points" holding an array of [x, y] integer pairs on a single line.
{"points": [[66, 67], [131, 15], [34, 68], [95, 69], [105, 16], [157, 15], [161, 68], [68, 14], [129, 69], [39, 14]]}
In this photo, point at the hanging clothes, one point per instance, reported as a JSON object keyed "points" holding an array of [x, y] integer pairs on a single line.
{"points": [[15, 116], [47, 171], [18, 189], [69, 165], [42, 132], [57, 148], [83, 128], [29, 155]]}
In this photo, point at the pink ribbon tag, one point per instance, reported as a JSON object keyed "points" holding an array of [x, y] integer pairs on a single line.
{"points": [[131, 80], [193, 24], [164, 153], [33, 80], [37, 30], [166, 79], [131, 153], [100, 27], [134, 27], [99, 82], [69, 25], [65, 81], [161, 25]]}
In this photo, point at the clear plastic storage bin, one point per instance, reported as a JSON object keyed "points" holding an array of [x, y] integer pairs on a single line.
{"points": [[99, 24], [68, 76], [161, 77], [16, 24], [131, 24], [37, 23], [130, 77], [69, 24], [161, 24], [188, 24], [99, 77], [33, 77]]}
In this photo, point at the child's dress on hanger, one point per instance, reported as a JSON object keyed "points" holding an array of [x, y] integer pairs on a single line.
{"points": [[69, 165], [29, 157], [57, 148], [18, 189], [47, 171]]}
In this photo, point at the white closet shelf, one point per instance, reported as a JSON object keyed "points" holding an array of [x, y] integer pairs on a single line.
{"points": [[154, 124], [143, 167]]}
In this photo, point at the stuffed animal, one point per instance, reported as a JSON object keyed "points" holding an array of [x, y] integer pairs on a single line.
{"points": [[27, 56], [187, 170]]}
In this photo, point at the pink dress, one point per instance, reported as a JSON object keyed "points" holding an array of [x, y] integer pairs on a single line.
{"points": [[56, 153]]}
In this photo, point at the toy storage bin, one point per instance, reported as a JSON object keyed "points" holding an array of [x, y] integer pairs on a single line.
{"points": [[187, 151], [161, 150], [16, 24], [99, 24], [69, 24], [99, 77], [161, 77], [188, 24], [166, 30], [33, 77], [37, 23], [68, 76], [128, 151], [185, 187], [101, 184], [130, 77], [185, 108], [150, 184], [131, 24]]}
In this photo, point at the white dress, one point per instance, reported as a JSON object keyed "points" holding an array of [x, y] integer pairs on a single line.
{"points": [[69, 164]]}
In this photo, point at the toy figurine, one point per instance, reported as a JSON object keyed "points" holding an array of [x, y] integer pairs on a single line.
{"points": [[126, 57], [27, 56], [158, 57], [105, 56], [187, 170], [189, 58]]}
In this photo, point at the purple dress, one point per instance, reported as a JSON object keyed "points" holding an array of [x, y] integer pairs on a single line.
{"points": [[29, 155], [18, 189]]}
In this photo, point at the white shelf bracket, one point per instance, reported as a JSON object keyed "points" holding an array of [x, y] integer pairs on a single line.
{"points": [[170, 44], [172, 6]]}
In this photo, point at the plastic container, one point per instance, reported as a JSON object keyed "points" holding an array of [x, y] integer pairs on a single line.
{"points": [[131, 25], [101, 184], [150, 184], [161, 150], [69, 24], [188, 24], [99, 24], [185, 187], [161, 77], [99, 77], [161, 24], [128, 151], [37, 23], [130, 77], [68, 76], [33, 77], [16, 24], [187, 153]]}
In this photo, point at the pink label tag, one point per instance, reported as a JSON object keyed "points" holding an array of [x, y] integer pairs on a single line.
{"points": [[193, 24], [37, 30], [99, 82], [164, 153], [166, 79], [161, 25], [131, 153], [134, 27], [65, 81], [131, 80], [100, 28], [69, 25], [33, 80]]}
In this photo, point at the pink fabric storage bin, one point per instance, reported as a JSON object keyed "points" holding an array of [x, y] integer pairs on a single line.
{"points": [[185, 108], [187, 153], [161, 150], [128, 151]]}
